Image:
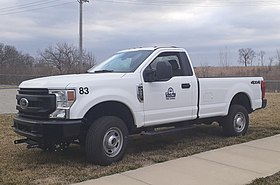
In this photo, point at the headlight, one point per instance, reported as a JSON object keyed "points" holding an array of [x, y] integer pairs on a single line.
{"points": [[64, 100]]}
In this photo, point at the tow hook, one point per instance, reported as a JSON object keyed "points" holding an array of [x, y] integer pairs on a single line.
{"points": [[20, 141], [30, 143]]}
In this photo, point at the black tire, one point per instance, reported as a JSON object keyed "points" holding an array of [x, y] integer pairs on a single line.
{"points": [[236, 122], [106, 140]]}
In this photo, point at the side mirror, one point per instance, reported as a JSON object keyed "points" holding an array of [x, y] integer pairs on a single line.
{"points": [[163, 71], [149, 75]]}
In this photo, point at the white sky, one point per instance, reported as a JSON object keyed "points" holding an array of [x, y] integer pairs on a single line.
{"points": [[202, 27]]}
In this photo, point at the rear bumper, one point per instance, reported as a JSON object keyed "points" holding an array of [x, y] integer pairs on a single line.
{"points": [[47, 131], [264, 103]]}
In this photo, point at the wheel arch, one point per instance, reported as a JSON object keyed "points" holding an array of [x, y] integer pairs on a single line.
{"points": [[243, 99], [110, 108]]}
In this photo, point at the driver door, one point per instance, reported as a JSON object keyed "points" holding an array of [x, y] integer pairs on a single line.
{"points": [[169, 100]]}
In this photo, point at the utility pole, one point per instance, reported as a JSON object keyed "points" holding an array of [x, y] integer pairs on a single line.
{"points": [[81, 33]]}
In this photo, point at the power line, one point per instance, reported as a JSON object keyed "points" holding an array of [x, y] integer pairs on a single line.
{"points": [[196, 3], [35, 9], [26, 5], [213, 3]]}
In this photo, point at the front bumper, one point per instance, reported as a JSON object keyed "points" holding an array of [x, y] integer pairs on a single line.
{"points": [[47, 131]]}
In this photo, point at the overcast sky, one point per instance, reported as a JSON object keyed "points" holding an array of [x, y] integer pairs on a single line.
{"points": [[204, 28]]}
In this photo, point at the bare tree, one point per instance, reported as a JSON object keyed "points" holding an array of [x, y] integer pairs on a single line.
{"points": [[278, 56], [271, 59], [224, 57], [65, 58], [261, 55], [13, 61], [246, 56]]}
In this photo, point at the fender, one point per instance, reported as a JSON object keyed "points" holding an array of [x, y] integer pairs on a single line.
{"points": [[124, 92], [236, 89]]}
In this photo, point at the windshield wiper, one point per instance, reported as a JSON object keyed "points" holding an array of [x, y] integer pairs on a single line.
{"points": [[104, 71]]}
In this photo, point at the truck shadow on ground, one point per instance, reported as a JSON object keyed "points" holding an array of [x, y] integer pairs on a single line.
{"points": [[152, 149], [145, 150]]}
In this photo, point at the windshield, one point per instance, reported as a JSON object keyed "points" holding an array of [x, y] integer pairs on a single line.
{"points": [[124, 62]]}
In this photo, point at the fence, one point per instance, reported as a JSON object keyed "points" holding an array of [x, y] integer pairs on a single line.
{"points": [[6, 79], [272, 85]]}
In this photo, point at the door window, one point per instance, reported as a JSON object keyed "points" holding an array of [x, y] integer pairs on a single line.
{"points": [[172, 59]]}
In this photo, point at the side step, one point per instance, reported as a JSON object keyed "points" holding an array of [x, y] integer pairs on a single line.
{"points": [[165, 130]]}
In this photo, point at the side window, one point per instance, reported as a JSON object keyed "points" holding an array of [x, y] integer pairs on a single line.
{"points": [[173, 59], [177, 65]]}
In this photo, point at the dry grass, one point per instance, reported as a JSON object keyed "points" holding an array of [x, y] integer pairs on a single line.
{"points": [[267, 72], [271, 180], [21, 166]]}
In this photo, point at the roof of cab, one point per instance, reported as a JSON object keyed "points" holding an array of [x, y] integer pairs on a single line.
{"points": [[150, 48]]}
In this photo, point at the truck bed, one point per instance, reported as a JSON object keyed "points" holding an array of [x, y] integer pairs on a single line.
{"points": [[215, 94]]}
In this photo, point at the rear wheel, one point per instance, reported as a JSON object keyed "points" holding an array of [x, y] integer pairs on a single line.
{"points": [[236, 122], [106, 140]]}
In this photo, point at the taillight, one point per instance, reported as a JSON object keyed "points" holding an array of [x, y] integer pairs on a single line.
{"points": [[263, 89]]}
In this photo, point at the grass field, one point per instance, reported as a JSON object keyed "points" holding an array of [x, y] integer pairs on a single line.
{"points": [[271, 180], [21, 166], [267, 72]]}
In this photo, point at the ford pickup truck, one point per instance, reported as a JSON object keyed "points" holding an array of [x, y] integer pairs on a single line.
{"points": [[135, 91]]}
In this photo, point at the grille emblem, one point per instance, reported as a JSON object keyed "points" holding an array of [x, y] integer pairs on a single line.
{"points": [[23, 102]]}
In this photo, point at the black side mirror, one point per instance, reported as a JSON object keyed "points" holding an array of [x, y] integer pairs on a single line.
{"points": [[149, 75], [163, 71]]}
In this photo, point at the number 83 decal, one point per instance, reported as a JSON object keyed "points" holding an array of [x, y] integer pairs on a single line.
{"points": [[83, 90]]}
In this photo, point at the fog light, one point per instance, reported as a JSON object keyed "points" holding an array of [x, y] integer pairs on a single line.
{"points": [[60, 113]]}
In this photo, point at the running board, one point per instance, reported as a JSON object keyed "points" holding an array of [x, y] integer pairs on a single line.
{"points": [[158, 131]]}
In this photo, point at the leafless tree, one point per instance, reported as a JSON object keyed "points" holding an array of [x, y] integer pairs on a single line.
{"points": [[278, 56], [13, 61], [261, 55], [271, 59], [246, 56], [65, 58], [224, 57]]}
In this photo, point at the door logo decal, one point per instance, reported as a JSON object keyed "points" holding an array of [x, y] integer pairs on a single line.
{"points": [[170, 94]]}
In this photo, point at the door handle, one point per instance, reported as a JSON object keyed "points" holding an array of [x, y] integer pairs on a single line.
{"points": [[186, 86]]}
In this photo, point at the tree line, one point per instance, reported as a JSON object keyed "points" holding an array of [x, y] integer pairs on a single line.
{"points": [[61, 58], [247, 56]]}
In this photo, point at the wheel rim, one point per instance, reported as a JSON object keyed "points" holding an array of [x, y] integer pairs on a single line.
{"points": [[113, 142], [239, 122]]}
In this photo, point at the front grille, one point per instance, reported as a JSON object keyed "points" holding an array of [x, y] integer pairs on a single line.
{"points": [[40, 103], [33, 91]]}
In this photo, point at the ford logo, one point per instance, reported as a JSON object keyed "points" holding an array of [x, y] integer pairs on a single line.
{"points": [[23, 102]]}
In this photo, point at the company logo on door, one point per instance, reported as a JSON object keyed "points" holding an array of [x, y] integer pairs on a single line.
{"points": [[170, 94]]}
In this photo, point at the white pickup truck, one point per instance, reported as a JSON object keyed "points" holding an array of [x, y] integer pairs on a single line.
{"points": [[135, 91]]}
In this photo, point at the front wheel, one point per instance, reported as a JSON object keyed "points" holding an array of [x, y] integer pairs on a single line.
{"points": [[236, 122], [106, 140]]}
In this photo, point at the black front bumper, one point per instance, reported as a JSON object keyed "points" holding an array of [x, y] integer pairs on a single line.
{"points": [[47, 131]]}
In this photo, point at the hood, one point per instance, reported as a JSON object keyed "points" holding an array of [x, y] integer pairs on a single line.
{"points": [[62, 81]]}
